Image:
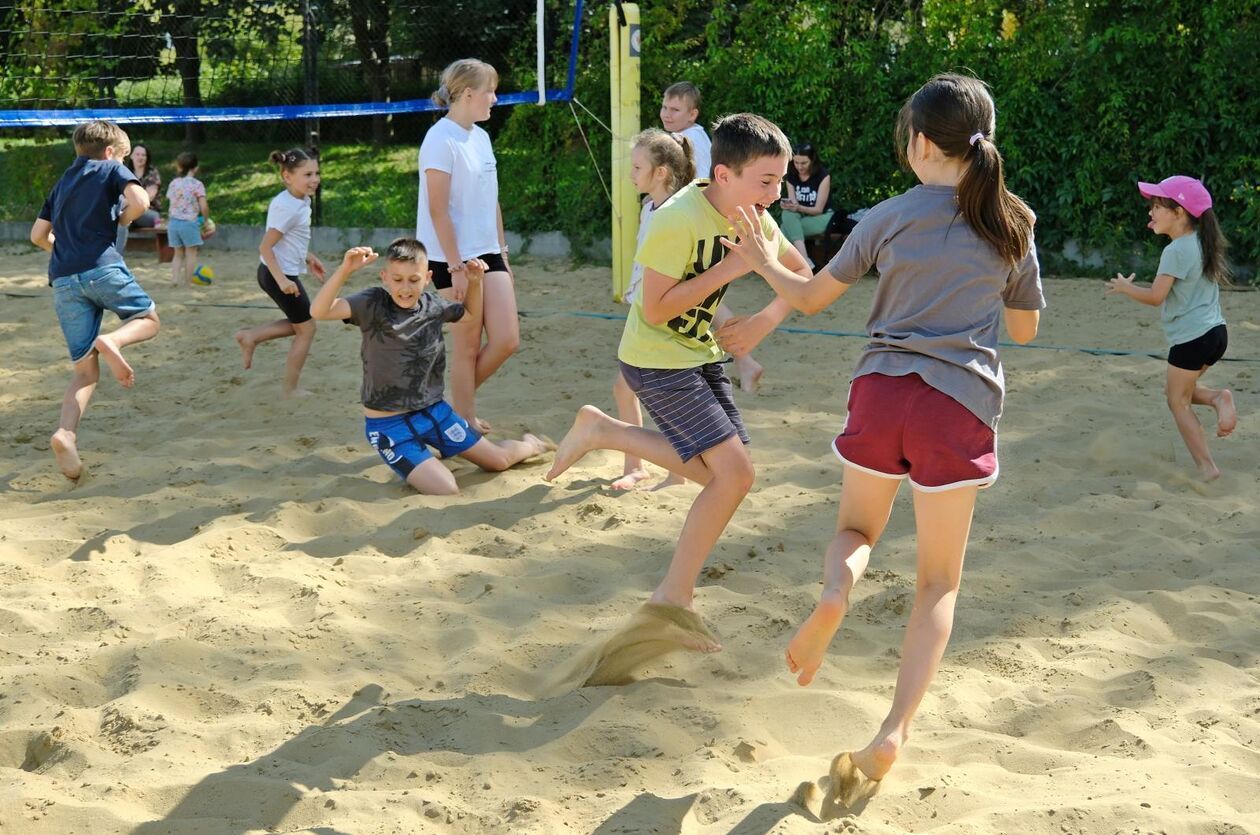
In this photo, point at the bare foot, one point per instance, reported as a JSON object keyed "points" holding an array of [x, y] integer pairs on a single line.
{"points": [[749, 373], [580, 440], [808, 647], [247, 347], [295, 393], [671, 480], [541, 443], [1226, 414], [1210, 472], [67, 451], [114, 359], [850, 784], [629, 480], [689, 630]]}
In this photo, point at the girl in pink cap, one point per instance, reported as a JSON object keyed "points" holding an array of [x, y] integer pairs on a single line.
{"points": [[1187, 289]]}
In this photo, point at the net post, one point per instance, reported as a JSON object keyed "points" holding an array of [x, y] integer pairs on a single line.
{"points": [[542, 58], [310, 88], [624, 48]]}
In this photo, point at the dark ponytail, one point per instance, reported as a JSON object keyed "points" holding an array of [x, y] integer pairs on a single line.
{"points": [[1215, 248], [956, 113], [294, 157]]}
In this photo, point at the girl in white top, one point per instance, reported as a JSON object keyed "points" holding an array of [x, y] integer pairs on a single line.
{"points": [[458, 219], [283, 258], [660, 164]]}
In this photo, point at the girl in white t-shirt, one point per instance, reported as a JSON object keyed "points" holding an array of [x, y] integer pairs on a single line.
{"points": [[660, 164], [458, 219], [283, 259]]}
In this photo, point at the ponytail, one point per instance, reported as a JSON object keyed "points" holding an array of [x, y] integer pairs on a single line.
{"points": [[956, 113], [996, 215], [461, 75], [294, 157], [1216, 266], [672, 151]]}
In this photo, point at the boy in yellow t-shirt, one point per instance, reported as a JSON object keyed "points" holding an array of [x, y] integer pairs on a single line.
{"points": [[670, 356]]}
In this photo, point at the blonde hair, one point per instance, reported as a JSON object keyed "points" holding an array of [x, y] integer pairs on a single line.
{"points": [[461, 75], [92, 138], [671, 150]]}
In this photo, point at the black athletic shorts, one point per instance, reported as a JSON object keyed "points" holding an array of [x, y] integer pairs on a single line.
{"points": [[1202, 352], [442, 275], [297, 309]]}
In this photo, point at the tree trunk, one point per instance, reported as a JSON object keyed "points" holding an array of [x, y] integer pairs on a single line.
{"points": [[188, 62], [370, 23]]}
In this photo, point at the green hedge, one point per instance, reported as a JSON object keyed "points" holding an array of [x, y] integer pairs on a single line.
{"points": [[1091, 97]]}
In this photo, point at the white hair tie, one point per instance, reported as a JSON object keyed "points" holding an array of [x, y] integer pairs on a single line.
{"points": [[975, 137]]}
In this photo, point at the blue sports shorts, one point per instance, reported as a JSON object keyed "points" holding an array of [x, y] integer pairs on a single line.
{"points": [[183, 232], [81, 299], [403, 441]]}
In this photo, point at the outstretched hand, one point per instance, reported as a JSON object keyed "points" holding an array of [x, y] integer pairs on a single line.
{"points": [[317, 268], [753, 247], [476, 269], [358, 256], [739, 335], [1120, 284]]}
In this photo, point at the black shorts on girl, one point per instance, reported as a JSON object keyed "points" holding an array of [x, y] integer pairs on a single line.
{"points": [[1201, 352], [297, 309], [403, 441], [442, 274], [693, 407]]}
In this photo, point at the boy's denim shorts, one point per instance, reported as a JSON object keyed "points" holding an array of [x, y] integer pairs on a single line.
{"points": [[81, 300], [183, 232]]}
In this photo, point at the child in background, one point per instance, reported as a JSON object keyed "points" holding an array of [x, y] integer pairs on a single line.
{"points": [[680, 110], [79, 226], [660, 164], [283, 258], [1192, 269], [955, 256], [670, 356], [187, 198], [404, 360]]}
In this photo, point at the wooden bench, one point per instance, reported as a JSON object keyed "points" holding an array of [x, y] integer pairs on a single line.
{"points": [[822, 248], [157, 234]]}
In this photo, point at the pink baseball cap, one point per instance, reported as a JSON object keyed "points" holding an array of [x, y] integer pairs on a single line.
{"points": [[1188, 192]]}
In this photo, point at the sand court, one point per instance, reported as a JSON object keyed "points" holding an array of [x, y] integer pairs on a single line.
{"points": [[240, 621]]}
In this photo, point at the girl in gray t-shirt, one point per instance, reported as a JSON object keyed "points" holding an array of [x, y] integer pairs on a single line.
{"points": [[1187, 289], [955, 255]]}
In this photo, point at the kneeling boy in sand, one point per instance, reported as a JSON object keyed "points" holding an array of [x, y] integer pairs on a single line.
{"points": [[79, 226], [404, 360], [671, 359]]}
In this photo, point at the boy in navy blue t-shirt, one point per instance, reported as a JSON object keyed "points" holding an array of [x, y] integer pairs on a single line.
{"points": [[79, 225]]}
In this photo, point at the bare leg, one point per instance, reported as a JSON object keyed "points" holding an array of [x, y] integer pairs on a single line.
{"points": [[177, 266], [501, 323], [1222, 400], [942, 525], [64, 442], [110, 345], [629, 413], [190, 264], [865, 503], [249, 338], [497, 456], [592, 430], [732, 478], [1179, 389], [465, 345], [431, 478], [749, 369], [303, 336]]}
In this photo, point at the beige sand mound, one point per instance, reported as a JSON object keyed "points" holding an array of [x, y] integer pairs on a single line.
{"points": [[241, 622]]}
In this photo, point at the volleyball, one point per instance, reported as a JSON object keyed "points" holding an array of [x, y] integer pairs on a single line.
{"points": [[203, 275]]}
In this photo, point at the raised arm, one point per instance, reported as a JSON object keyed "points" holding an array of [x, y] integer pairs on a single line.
{"points": [[808, 295], [1153, 295], [665, 298], [327, 304]]}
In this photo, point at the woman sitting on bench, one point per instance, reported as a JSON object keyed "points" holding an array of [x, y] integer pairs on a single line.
{"points": [[805, 210]]}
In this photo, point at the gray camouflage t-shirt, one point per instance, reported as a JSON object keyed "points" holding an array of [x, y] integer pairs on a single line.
{"points": [[938, 305], [404, 355]]}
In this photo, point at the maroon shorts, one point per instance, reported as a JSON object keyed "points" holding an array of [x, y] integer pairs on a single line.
{"points": [[900, 427]]}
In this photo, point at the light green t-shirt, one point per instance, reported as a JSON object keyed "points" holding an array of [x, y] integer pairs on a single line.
{"points": [[684, 240], [1193, 305]]}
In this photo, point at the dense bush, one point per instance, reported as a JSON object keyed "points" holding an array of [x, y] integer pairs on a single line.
{"points": [[1091, 97]]}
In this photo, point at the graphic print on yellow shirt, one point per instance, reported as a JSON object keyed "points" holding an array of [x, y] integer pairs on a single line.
{"points": [[684, 240]]}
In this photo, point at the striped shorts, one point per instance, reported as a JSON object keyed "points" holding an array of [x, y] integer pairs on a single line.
{"points": [[693, 407]]}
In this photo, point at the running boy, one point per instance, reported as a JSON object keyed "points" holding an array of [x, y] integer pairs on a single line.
{"points": [[79, 226], [404, 360], [669, 355]]}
